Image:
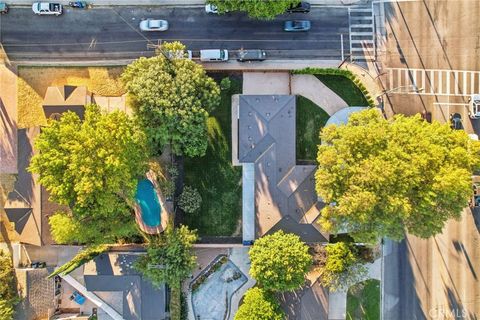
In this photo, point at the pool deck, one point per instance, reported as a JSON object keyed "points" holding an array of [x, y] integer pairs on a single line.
{"points": [[164, 215]]}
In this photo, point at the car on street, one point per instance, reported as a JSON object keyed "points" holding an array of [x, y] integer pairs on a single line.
{"points": [[179, 54], [47, 8], [210, 8], [214, 55], [474, 106], [251, 55], [153, 25], [297, 25], [456, 121], [3, 8], [301, 7]]}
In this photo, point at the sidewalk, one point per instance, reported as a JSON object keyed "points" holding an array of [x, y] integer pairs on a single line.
{"points": [[186, 3]]}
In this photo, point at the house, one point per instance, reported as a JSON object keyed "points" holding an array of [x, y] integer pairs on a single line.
{"points": [[66, 98], [278, 194]]}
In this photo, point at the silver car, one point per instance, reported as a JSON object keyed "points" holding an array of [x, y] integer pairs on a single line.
{"points": [[296, 25], [154, 25]]}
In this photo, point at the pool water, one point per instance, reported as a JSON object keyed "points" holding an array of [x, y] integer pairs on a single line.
{"points": [[147, 199]]}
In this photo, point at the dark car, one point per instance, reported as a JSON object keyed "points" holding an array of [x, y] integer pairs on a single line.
{"points": [[456, 121], [251, 55], [301, 7], [296, 25]]}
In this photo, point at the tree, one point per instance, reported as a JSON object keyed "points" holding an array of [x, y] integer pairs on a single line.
{"points": [[259, 304], [172, 97], [342, 268], [384, 177], [280, 261], [8, 287], [169, 257], [92, 167], [259, 9], [190, 200]]}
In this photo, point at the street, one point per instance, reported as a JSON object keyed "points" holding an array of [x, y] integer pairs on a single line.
{"points": [[113, 33]]}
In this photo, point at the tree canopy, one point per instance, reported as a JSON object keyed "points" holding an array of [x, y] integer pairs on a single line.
{"points": [[279, 261], [259, 304], [169, 257], [172, 97], [91, 167], [259, 9], [384, 177], [342, 268], [8, 287]]}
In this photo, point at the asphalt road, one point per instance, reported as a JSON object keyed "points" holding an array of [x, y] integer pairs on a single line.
{"points": [[113, 33]]}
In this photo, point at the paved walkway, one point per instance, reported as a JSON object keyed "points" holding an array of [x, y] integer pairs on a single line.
{"points": [[310, 87], [239, 256], [266, 83]]}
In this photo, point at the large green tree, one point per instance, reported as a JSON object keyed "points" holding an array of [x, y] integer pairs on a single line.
{"points": [[169, 257], [343, 268], [172, 97], [8, 287], [259, 304], [279, 261], [384, 177], [259, 9], [92, 167]]}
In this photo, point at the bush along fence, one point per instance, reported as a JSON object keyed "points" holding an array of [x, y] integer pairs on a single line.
{"points": [[82, 257], [342, 73]]}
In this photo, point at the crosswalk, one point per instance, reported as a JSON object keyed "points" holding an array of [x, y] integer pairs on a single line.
{"points": [[433, 81], [361, 27]]}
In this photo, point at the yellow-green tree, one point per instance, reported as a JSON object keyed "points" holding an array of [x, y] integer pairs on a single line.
{"points": [[384, 177], [8, 287], [91, 167], [279, 261], [259, 9], [172, 96], [259, 304]]}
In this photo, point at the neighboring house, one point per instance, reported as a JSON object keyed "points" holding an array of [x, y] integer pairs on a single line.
{"points": [[112, 277], [278, 194]]}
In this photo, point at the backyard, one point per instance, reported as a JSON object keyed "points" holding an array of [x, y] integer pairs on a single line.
{"points": [[363, 300], [218, 182]]}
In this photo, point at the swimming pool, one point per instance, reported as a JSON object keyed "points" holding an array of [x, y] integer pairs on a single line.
{"points": [[147, 199]]}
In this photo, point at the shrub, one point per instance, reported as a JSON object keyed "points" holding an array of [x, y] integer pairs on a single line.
{"points": [[190, 200], [225, 84], [259, 304], [8, 292]]}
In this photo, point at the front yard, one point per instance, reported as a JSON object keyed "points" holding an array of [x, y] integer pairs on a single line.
{"points": [[363, 300], [218, 182]]}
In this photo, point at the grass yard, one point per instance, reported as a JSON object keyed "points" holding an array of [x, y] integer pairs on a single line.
{"points": [[34, 81], [218, 182], [363, 301], [310, 119], [345, 88]]}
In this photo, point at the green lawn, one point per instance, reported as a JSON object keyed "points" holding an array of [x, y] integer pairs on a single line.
{"points": [[363, 301], [345, 88], [310, 119], [213, 175]]}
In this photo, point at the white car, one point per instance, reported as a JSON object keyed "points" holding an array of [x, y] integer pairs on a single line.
{"points": [[180, 54], [210, 8], [47, 8], [474, 106], [154, 25]]}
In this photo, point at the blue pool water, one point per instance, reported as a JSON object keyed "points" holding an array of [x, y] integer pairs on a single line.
{"points": [[147, 199]]}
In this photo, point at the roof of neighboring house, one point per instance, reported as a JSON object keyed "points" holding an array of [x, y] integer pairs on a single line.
{"points": [[114, 272], [284, 192], [66, 98]]}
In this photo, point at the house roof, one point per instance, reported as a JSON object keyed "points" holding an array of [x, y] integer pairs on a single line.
{"points": [[114, 272], [284, 193], [65, 98]]}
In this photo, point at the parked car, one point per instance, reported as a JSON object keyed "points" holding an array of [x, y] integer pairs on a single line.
{"points": [[301, 7], [179, 54], [456, 121], [296, 25], [210, 8], [3, 8], [153, 25], [251, 55], [47, 8], [212, 55], [474, 106]]}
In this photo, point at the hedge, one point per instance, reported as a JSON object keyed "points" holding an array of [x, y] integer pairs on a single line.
{"points": [[339, 72], [82, 257]]}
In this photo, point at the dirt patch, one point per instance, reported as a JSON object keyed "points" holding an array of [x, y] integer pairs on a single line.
{"points": [[34, 81]]}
